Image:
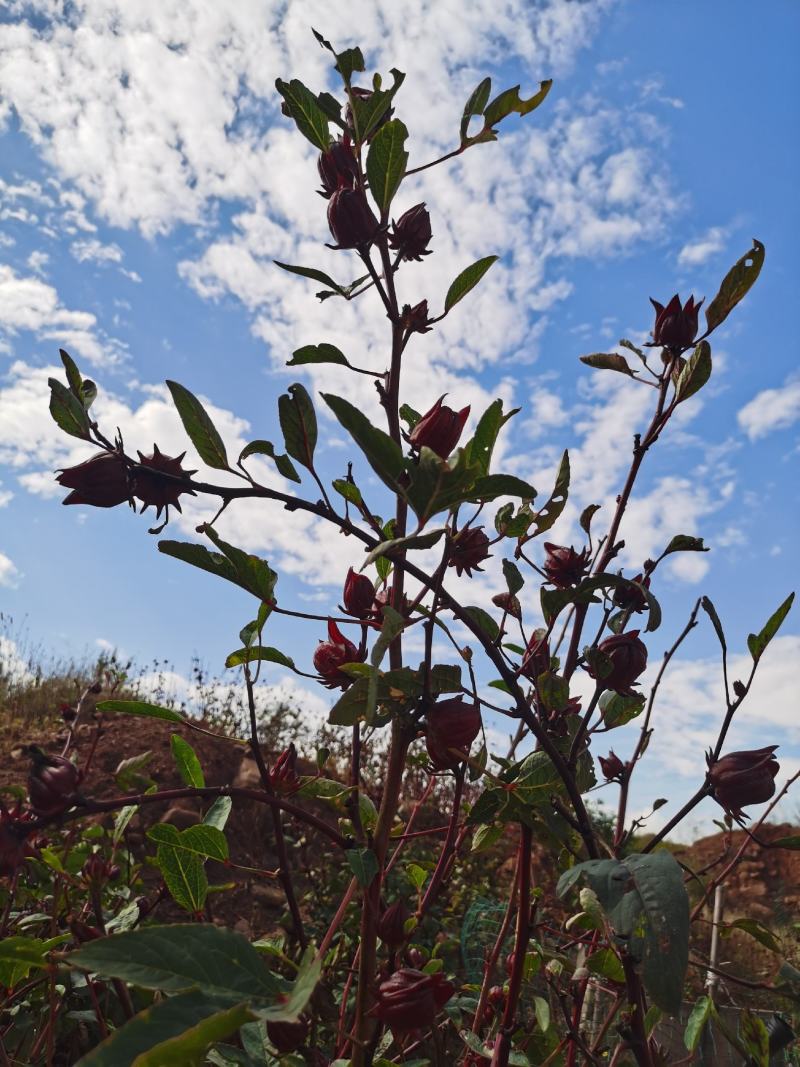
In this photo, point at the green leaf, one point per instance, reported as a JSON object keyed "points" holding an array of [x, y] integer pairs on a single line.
{"points": [[711, 611], [757, 643], [139, 708], [792, 842], [252, 573], [200, 556], [386, 163], [514, 579], [684, 543], [755, 1038], [542, 1009], [323, 353], [586, 518], [311, 120], [260, 653], [444, 678], [481, 446], [18, 956], [695, 373], [198, 425], [187, 762], [74, 379], [547, 515], [67, 411], [588, 587], [202, 840], [553, 602], [364, 865], [467, 280], [184, 876], [436, 485], [758, 930], [417, 875], [397, 544], [175, 958], [349, 490], [217, 814], [368, 111], [492, 486], [735, 285], [607, 963], [608, 361], [312, 273], [618, 710], [478, 99], [299, 424], [487, 835], [281, 460], [697, 1020], [484, 622], [384, 455], [510, 100], [121, 820]]}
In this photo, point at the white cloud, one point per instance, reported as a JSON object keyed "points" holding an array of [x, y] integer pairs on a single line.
{"points": [[771, 409], [696, 252], [8, 572], [93, 251]]}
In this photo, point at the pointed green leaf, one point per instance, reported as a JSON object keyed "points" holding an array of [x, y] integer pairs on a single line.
{"points": [[484, 622], [299, 424], [510, 100], [74, 379], [491, 486], [67, 411], [260, 653], [695, 373], [608, 361], [323, 353], [711, 611], [281, 460], [312, 273], [252, 573], [735, 285], [426, 540], [217, 814], [467, 280], [478, 99], [513, 577], [699, 1016], [198, 425], [141, 709], [547, 515], [311, 120], [684, 543], [364, 865], [491, 422], [184, 876], [384, 455], [187, 762], [757, 643], [386, 163], [203, 840]]}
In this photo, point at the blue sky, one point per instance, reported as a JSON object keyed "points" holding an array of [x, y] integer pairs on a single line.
{"points": [[148, 182]]}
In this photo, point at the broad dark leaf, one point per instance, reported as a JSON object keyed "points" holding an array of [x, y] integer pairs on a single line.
{"points": [[547, 515], [323, 353], [198, 425], [695, 373], [735, 285], [384, 455], [386, 163], [757, 643], [141, 709], [477, 101], [259, 653], [67, 411], [311, 120], [466, 281], [608, 361], [280, 459], [299, 424], [187, 762]]}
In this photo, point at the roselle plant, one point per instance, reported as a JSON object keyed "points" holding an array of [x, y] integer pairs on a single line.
{"points": [[195, 993]]}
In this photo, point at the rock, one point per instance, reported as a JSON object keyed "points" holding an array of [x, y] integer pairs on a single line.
{"points": [[180, 817], [247, 777]]}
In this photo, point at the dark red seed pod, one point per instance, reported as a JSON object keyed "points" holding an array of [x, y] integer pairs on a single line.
{"points": [[627, 656], [283, 776], [743, 778], [451, 725], [359, 595], [411, 1000], [675, 325], [612, 767], [412, 233], [537, 656], [101, 482], [338, 168], [154, 490], [439, 429], [351, 219], [52, 783], [391, 925], [563, 566]]}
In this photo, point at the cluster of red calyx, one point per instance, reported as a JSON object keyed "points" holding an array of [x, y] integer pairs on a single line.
{"points": [[14, 831], [450, 728], [470, 549], [439, 429], [338, 168], [743, 778], [331, 655], [358, 596], [631, 597], [412, 233], [152, 489], [612, 767], [105, 481], [97, 870], [391, 925], [536, 660], [564, 566], [415, 319], [288, 1037], [351, 220], [283, 776], [52, 783], [676, 325], [627, 656], [411, 1000]]}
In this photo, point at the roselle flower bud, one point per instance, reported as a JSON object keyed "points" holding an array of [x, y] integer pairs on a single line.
{"points": [[101, 481], [675, 326], [152, 489], [338, 168], [631, 599], [440, 428], [628, 658], [283, 775], [411, 1000], [412, 233], [564, 566], [743, 778], [415, 319], [351, 219], [359, 595], [331, 655], [537, 656], [51, 783], [509, 603], [287, 1037], [612, 767], [470, 548], [391, 924], [451, 724]]}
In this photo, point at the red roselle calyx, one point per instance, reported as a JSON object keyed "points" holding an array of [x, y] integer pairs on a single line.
{"points": [[331, 655], [743, 778], [288, 1037], [351, 219], [391, 925], [470, 549], [564, 566], [675, 326], [451, 724], [51, 783], [98, 870], [631, 598], [612, 767], [411, 1000], [415, 319], [412, 233], [627, 656], [152, 489], [537, 656], [338, 168], [439, 429], [283, 775], [358, 595], [101, 481]]}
